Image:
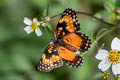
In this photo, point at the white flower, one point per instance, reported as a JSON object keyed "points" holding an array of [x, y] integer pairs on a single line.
{"points": [[32, 26], [110, 58]]}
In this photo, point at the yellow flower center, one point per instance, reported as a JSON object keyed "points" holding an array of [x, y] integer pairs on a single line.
{"points": [[34, 26], [105, 75], [114, 56]]}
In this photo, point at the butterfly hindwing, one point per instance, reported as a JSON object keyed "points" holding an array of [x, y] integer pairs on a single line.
{"points": [[71, 58], [50, 59], [86, 42], [68, 23], [76, 62], [78, 40]]}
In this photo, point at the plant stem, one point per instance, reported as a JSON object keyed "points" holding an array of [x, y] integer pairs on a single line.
{"points": [[99, 19], [88, 14]]}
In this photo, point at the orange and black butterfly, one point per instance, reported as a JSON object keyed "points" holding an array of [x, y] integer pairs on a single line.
{"points": [[68, 45]]}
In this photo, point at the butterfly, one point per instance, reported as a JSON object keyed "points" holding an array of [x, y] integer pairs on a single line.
{"points": [[67, 46]]}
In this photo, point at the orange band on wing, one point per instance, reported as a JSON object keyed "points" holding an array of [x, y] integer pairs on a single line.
{"points": [[66, 54], [52, 59], [69, 23], [73, 39]]}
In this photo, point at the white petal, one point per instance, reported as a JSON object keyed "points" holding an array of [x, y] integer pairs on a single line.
{"points": [[104, 65], [116, 69], [38, 32], [27, 21], [28, 29], [35, 20], [115, 44], [102, 54]]}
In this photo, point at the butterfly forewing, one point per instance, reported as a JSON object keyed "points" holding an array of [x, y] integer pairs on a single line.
{"points": [[68, 23]]}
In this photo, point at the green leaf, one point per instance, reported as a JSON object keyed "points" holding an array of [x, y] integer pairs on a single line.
{"points": [[102, 46], [49, 26], [110, 5], [101, 14], [46, 11], [105, 15], [92, 35], [100, 32]]}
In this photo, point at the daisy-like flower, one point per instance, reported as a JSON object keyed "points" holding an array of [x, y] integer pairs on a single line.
{"points": [[32, 26], [110, 58]]}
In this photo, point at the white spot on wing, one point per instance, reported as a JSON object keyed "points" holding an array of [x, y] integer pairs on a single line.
{"points": [[51, 42], [77, 52]]}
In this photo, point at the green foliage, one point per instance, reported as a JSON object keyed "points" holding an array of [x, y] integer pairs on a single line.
{"points": [[110, 5], [99, 33], [46, 10], [110, 8]]}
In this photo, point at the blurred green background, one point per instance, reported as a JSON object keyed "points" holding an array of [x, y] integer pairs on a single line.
{"points": [[20, 53]]}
